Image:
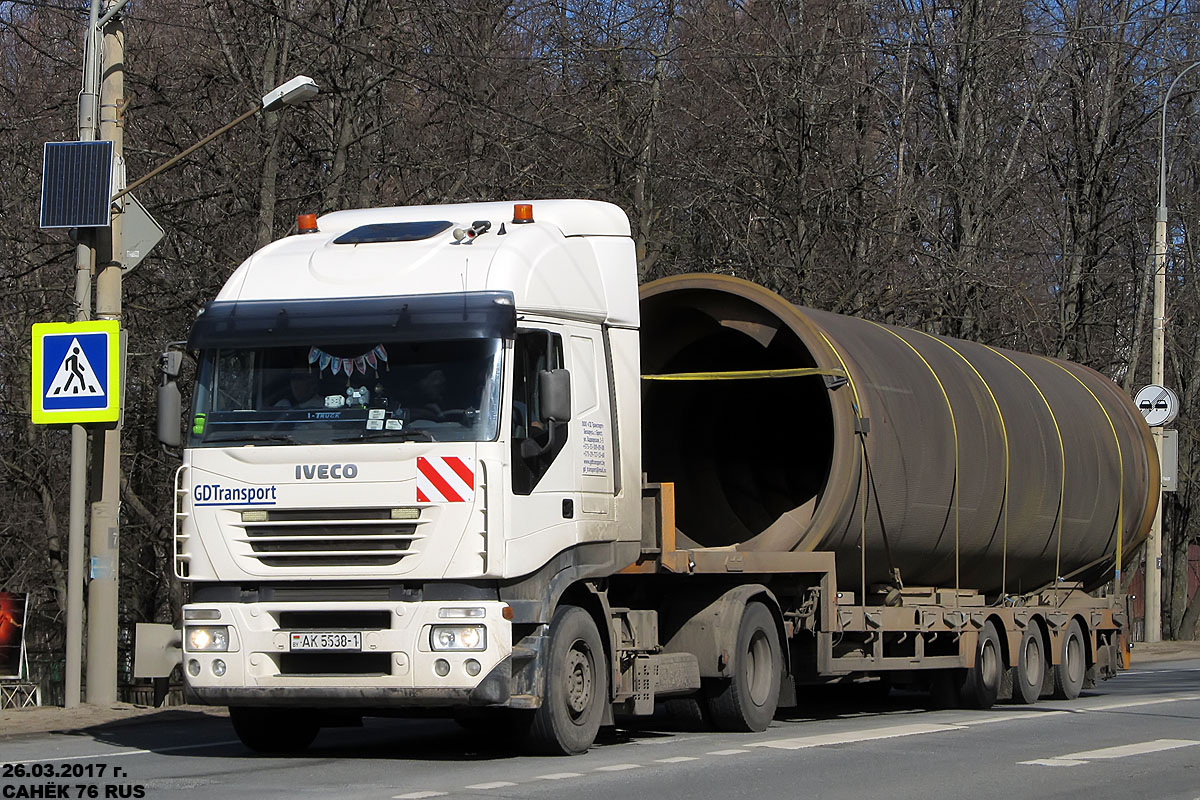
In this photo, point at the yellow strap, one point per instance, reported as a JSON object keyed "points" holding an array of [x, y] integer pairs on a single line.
{"points": [[1120, 466], [1004, 432], [1062, 455], [746, 375], [954, 429]]}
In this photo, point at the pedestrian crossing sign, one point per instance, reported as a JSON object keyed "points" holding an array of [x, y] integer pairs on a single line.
{"points": [[76, 372]]}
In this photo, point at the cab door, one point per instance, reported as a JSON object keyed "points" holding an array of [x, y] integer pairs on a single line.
{"points": [[561, 472]]}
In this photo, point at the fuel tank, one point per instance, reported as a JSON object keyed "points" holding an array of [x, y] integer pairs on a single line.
{"points": [[956, 463]]}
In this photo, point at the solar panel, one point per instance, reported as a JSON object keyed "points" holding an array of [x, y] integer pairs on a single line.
{"points": [[77, 184]]}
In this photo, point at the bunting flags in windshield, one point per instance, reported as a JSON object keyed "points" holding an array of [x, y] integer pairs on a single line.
{"points": [[338, 365]]}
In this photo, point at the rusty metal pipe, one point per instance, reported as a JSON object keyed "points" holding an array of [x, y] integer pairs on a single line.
{"points": [[954, 462]]}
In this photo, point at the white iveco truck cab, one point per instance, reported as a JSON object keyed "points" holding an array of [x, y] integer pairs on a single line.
{"points": [[404, 447]]}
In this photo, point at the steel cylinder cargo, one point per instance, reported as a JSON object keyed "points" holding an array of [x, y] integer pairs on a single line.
{"points": [[956, 463]]}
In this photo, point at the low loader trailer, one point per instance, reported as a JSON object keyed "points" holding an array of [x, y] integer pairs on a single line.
{"points": [[453, 460]]}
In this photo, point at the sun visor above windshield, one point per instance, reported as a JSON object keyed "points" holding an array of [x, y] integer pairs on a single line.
{"points": [[435, 317]]}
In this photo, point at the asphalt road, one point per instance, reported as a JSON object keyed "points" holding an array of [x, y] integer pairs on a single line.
{"points": [[1135, 736]]}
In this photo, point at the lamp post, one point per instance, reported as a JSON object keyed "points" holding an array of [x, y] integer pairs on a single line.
{"points": [[298, 90], [102, 623], [1158, 346]]}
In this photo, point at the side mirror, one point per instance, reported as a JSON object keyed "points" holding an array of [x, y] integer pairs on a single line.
{"points": [[170, 405], [555, 388], [170, 402]]}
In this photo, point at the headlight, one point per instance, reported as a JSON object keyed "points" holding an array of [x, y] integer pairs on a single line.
{"points": [[458, 637], [214, 639]]}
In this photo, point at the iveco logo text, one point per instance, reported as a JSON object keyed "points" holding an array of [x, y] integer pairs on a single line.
{"points": [[326, 471], [214, 494]]}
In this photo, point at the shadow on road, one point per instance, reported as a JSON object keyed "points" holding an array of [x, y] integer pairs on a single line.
{"points": [[196, 734]]}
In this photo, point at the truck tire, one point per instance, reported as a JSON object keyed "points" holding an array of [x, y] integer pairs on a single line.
{"points": [[981, 683], [1069, 672], [576, 686], [274, 730], [1029, 673], [747, 701]]}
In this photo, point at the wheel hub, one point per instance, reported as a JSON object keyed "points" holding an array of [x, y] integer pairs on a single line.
{"points": [[579, 680]]}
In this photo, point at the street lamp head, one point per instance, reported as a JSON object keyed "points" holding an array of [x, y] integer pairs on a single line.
{"points": [[295, 91]]}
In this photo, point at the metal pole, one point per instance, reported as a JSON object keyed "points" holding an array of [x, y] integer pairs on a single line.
{"points": [[1154, 551], [103, 617], [79, 439], [1154, 546]]}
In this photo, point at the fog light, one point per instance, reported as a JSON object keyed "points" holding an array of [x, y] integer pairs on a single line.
{"points": [[458, 637], [218, 667], [214, 638], [193, 668], [441, 667], [472, 667]]}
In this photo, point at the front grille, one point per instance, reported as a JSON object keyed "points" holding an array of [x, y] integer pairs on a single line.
{"points": [[331, 538], [307, 593]]}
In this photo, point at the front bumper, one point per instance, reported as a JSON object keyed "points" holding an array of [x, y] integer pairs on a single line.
{"points": [[395, 668]]}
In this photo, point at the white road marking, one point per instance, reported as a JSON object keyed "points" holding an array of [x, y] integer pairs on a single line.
{"points": [[1177, 698], [850, 737], [120, 753], [1121, 751], [492, 785], [617, 767], [417, 795], [727, 752], [1010, 717], [681, 759], [558, 776]]}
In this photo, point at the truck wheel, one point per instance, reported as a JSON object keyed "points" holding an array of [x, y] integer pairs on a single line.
{"points": [[1069, 673], [1029, 673], [981, 684], [274, 730], [576, 686], [747, 701]]}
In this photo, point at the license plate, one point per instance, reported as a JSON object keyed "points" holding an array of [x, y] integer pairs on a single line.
{"points": [[327, 640]]}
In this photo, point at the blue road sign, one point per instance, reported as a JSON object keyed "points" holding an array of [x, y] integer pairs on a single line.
{"points": [[76, 371]]}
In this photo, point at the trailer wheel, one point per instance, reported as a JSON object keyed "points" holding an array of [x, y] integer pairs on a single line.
{"points": [[1029, 673], [981, 684], [274, 730], [576, 686], [1069, 673], [747, 701]]}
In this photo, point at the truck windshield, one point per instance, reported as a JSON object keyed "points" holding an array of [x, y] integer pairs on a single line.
{"points": [[444, 391]]}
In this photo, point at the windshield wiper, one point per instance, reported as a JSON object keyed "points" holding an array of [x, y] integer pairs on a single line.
{"points": [[400, 435], [250, 437]]}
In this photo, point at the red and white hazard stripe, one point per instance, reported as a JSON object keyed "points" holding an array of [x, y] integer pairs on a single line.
{"points": [[445, 479]]}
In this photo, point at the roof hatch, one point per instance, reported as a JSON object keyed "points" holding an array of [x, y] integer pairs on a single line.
{"points": [[393, 232]]}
